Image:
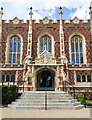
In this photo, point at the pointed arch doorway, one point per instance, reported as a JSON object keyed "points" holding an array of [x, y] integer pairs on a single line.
{"points": [[45, 80]]}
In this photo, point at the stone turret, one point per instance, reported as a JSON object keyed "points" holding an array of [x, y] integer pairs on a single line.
{"points": [[30, 34], [90, 16]]}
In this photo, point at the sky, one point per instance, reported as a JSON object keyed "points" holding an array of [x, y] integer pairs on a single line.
{"points": [[42, 8]]}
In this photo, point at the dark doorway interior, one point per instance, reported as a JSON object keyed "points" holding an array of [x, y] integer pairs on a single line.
{"points": [[45, 81]]}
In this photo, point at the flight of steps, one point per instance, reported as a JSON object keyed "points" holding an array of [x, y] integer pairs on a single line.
{"points": [[55, 100]]}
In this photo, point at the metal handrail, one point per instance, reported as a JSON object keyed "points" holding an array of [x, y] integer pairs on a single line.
{"points": [[65, 89]]}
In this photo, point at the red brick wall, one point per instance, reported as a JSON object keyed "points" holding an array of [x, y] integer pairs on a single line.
{"points": [[83, 28], [71, 77], [9, 29]]}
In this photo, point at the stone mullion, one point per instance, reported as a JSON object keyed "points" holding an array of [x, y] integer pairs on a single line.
{"points": [[75, 49]]}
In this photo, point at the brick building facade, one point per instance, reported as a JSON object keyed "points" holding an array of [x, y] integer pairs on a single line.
{"points": [[46, 52]]}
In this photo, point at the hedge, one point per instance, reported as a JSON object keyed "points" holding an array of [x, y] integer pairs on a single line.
{"points": [[9, 94]]}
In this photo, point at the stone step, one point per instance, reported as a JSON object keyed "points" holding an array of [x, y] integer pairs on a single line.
{"points": [[48, 104], [43, 92], [55, 100], [37, 96], [48, 107], [49, 99]]}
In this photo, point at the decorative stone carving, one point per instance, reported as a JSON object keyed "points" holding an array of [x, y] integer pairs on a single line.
{"points": [[76, 20], [45, 20], [45, 58], [15, 20]]}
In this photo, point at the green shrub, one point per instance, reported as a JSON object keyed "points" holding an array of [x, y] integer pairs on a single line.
{"points": [[80, 98], [88, 103], [9, 94], [87, 93]]}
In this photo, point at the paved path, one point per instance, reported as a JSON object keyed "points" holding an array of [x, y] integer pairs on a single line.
{"points": [[13, 113]]}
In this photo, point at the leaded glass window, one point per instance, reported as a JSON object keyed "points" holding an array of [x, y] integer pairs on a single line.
{"points": [[76, 50], [14, 49], [2, 78], [45, 43], [12, 78], [8, 77], [83, 77], [88, 78], [78, 78]]}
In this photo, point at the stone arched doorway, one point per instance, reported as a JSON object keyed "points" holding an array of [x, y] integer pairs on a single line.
{"points": [[45, 80]]}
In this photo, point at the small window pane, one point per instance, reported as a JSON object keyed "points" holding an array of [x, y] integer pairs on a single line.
{"points": [[18, 47], [14, 58], [41, 46], [72, 45], [10, 58], [80, 45], [73, 58], [83, 78], [18, 58], [12, 78], [15, 44], [45, 43], [88, 78], [77, 58], [76, 42], [78, 78], [81, 58], [7, 78], [49, 46], [11, 44]]}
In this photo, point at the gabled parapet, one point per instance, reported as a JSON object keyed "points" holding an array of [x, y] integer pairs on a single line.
{"points": [[15, 21], [46, 21], [76, 22]]}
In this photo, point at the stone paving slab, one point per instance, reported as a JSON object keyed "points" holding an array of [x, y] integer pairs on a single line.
{"points": [[17, 113]]}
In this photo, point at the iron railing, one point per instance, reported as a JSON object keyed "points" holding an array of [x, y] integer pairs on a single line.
{"points": [[65, 83]]}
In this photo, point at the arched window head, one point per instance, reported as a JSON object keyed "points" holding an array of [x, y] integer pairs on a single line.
{"points": [[45, 44], [14, 49], [77, 50]]}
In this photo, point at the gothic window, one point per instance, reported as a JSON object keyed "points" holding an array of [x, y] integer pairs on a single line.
{"points": [[14, 49], [8, 77], [12, 78], [83, 77], [78, 78], [88, 78], [45, 43], [76, 50]]}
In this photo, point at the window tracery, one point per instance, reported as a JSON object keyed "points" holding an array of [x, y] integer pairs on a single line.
{"points": [[77, 50], [45, 44], [8, 77], [83, 77], [14, 49]]}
